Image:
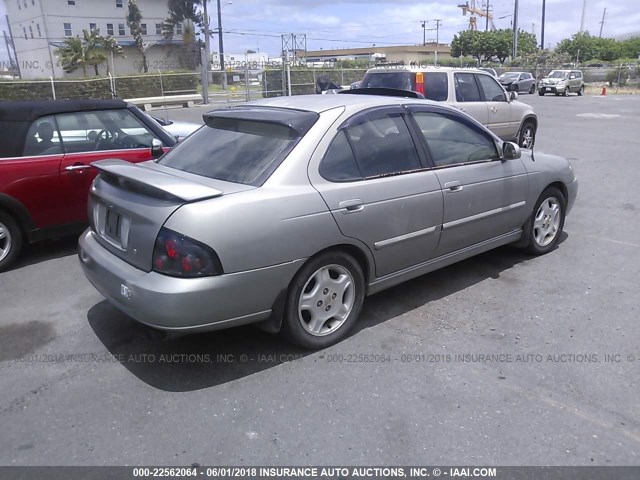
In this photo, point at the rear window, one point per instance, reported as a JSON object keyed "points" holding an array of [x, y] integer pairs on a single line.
{"points": [[233, 150], [436, 84]]}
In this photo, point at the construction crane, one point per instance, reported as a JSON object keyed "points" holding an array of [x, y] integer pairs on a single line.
{"points": [[474, 10]]}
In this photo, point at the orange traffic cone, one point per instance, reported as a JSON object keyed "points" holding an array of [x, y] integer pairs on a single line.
{"points": [[604, 90]]}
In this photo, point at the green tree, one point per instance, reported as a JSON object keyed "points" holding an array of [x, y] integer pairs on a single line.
{"points": [[87, 51], [134, 17], [488, 45], [187, 14]]}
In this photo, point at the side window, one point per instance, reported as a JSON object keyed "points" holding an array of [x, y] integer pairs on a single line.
{"points": [[436, 86], [492, 90], [383, 145], [339, 164], [451, 142], [103, 130], [42, 138], [466, 88]]}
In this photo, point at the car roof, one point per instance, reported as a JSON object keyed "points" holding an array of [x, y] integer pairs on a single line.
{"points": [[320, 103], [29, 110], [428, 68]]}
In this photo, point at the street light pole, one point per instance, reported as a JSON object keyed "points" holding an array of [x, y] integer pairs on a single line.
{"points": [[221, 45], [424, 32], [544, 4]]}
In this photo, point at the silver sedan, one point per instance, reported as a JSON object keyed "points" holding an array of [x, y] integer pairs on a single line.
{"points": [[289, 211]]}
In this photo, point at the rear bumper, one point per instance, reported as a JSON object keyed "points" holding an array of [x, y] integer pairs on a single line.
{"points": [[186, 304]]}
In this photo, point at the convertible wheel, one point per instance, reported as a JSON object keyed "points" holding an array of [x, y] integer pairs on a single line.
{"points": [[324, 300], [10, 241], [527, 135], [546, 222]]}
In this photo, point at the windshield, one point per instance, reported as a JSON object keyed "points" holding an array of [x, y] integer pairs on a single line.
{"points": [[557, 74], [233, 150], [510, 76]]}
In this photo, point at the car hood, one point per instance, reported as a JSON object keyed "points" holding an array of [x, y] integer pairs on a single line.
{"points": [[552, 81]]}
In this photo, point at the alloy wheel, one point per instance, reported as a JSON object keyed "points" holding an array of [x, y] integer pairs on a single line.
{"points": [[326, 300], [5, 241], [546, 223]]}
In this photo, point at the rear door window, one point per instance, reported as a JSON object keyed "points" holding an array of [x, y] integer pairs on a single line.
{"points": [[436, 86], [466, 88], [339, 163], [383, 145]]}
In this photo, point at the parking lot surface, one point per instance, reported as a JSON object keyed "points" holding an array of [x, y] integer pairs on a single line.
{"points": [[503, 359]]}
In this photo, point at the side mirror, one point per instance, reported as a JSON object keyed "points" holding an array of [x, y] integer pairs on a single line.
{"points": [[510, 151], [513, 96], [156, 148]]}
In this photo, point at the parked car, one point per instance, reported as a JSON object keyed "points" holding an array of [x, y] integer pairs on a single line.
{"points": [[490, 71], [289, 211], [45, 162], [177, 128], [562, 82], [473, 91], [518, 82]]}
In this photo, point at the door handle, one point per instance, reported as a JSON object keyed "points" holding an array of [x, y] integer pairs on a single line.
{"points": [[351, 206], [74, 168], [453, 186]]}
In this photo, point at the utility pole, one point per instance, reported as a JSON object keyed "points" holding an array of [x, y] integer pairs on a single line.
{"points": [[438, 22], [533, 28], [515, 30], [424, 32], [602, 22], [542, 29], [584, 10], [486, 26], [221, 46], [207, 56]]}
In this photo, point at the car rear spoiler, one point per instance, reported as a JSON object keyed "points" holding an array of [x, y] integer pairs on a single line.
{"points": [[149, 178]]}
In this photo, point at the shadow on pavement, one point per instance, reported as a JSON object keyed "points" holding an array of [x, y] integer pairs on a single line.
{"points": [[44, 250], [192, 362]]}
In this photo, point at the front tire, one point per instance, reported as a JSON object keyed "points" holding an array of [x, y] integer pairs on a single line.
{"points": [[527, 137], [567, 91], [545, 225], [10, 241], [541, 93], [324, 300]]}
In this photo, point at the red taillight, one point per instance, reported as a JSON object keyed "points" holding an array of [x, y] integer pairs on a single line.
{"points": [[181, 256], [420, 82]]}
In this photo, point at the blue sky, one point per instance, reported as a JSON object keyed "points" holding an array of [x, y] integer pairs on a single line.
{"points": [[258, 24]]}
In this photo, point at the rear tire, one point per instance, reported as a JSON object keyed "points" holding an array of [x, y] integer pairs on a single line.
{"points": [[532, 90], [324, 300], [544, 227], [581, 91], [10, 240]]}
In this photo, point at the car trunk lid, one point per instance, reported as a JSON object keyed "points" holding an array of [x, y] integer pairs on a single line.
{"points": [[129, 204]]}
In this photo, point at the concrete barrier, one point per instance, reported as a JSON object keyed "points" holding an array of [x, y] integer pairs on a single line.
{"points": [[147, 103]]}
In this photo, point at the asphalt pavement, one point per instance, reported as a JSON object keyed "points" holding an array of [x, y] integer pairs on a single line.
{"points": [[503, 359]]}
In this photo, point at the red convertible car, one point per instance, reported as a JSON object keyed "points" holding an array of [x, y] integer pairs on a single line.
{"points": [[45, 162]]}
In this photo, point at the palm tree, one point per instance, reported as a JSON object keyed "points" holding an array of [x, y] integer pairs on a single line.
{"points": [[185, 13], [134, 17], [86, 51]]}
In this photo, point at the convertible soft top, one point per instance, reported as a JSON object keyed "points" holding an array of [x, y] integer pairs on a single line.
{"points": [[27, 110]]}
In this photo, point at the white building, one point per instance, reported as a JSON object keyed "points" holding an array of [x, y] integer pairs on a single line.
{"points": [[39, 27]]}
